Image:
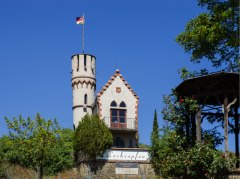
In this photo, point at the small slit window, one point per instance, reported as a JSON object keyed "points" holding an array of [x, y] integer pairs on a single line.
{"points": [[85, 63], [85, 99], [78, 64], [85, 60]]}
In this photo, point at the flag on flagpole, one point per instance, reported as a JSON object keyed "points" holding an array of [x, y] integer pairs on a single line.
{"points": [[80, 20]]}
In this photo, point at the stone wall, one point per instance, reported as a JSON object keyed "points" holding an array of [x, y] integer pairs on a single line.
{"points": [[106, 170]]}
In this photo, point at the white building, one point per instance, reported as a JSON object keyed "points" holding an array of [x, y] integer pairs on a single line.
{"points": [[116, 103]]}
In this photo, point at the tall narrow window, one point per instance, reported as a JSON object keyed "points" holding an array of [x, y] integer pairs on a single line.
{"points": [[85, 63], [78, 64], [92, 67], [85, 99], [122, 115]]}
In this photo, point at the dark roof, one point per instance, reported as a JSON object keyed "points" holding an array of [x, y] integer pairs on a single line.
{"points": [[212, 88]]}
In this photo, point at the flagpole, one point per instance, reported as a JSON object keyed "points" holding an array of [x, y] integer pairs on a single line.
{"points": [[83, 36]]}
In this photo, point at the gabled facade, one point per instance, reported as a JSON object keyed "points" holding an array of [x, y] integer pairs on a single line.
{"points": [[118, 107], [116, 103]]}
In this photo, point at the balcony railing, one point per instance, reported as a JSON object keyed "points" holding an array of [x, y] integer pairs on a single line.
{"points": [[130, 124]]}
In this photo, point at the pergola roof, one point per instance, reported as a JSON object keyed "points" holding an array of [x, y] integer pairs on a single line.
{"points": [[211, 89]]}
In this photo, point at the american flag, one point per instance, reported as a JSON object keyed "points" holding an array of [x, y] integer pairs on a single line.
{"points": [[80, 20]]}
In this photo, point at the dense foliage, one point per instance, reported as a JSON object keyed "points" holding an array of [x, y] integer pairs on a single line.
{"points": [[173, 159], [213, 34], [91, 138], [175, 153], [38, 144]]}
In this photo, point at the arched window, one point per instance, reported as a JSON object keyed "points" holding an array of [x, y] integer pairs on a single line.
{"points": [[118, 142], [122, 104], [85, 99], [113, 104], [118, 115]]}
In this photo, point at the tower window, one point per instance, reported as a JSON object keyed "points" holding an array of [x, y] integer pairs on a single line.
{"points": [[85, 63], [78, 64], [85, 99], [92, 65]]}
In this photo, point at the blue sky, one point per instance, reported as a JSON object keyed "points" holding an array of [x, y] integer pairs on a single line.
{"points": [[38, 38]]}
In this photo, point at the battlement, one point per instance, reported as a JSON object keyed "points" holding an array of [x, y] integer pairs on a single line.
{"points": [[83, 65]]}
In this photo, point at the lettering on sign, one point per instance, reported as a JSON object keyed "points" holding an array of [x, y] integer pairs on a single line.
{"points": [[122, 155]]}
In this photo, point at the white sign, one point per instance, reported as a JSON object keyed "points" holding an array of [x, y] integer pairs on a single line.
{"points": [[126, 155], [127, 168], [127, 171]]}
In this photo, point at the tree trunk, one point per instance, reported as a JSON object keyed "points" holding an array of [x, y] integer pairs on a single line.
{"points": [[225, 109], [236, 132], [198, 126], [40, 171]]}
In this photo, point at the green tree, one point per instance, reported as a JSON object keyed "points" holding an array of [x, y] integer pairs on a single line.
{"points": [[143, 146], [214, 34], [3, 157], [203, 160], [154, 143], [37, 144], [168, 158], [178, 113], [61, 153], [91, 138], [173, 159], [155, 132]]}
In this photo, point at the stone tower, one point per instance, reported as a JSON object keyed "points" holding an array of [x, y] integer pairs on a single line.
{"points": [[83, 86]]}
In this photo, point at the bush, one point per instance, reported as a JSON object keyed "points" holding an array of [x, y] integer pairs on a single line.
{"points": [[91, 138]]}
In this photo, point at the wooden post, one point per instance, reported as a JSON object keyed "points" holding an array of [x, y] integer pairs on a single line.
{"points": [[236, 132], [198, 126], [225, 110], [193, 122]]}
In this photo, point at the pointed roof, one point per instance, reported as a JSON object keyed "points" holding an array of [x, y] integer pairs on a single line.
{"points": [[116, 74]]}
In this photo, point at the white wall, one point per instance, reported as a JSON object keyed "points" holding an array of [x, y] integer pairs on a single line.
{"points": [[125, 95]]}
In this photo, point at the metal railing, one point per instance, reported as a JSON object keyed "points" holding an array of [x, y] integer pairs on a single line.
{"points": [[130, 123]]}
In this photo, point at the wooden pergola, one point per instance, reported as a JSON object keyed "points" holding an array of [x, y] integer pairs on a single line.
{"points": [[216, 89]]}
